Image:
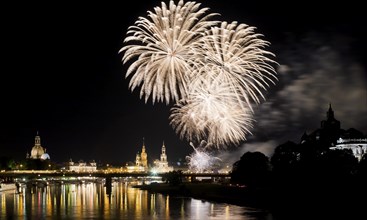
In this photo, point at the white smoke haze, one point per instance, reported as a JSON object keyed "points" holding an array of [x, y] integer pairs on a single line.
{"points": [[314, 71], [228, 158]]}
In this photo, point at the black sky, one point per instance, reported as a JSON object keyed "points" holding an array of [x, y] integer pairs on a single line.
{"points": [[61, 75]]}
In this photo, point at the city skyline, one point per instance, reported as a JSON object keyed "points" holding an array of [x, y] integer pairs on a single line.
{"points": [[63, 77]]}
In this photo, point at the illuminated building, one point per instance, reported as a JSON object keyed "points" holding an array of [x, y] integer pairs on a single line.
{"points": [[144, 157], [330, 135], [357, 145], [38, 152], [161, 166], [141, 162], [82, 166]]}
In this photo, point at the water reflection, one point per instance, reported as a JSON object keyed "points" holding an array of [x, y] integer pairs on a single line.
{"points": [[90, 201]]}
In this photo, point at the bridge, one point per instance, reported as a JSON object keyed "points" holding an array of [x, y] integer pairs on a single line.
{"points": [[32, 174]]}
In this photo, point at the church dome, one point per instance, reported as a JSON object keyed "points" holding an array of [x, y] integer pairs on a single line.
{"points": [[37, 152]]}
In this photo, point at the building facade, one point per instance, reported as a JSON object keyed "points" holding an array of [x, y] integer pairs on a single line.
{"points": [[161, 165], [357, 145], [331, 135], [141, 162], [82, 166]]}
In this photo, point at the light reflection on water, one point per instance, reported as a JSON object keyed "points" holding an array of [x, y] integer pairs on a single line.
{"points": [[90, 201]]}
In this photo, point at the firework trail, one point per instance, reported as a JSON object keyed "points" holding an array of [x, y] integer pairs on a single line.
{"points": [[201, 160], [162, 45]]}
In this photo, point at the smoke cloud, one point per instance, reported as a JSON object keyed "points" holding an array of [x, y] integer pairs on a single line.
{"points": [[315, 70]]}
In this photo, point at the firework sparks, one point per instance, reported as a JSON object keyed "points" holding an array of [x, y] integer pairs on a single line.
{"points": [[234, 53], [211, 112], [163, 46], [231, 70], [201, 160]]}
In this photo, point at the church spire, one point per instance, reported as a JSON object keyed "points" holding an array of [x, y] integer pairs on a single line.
{"points": [[143, 147], [163, 148], [144, 156], [330, 124], [163, 154], [330, 113]]}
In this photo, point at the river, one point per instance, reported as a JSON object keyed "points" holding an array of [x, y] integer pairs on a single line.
{"points": [[90, 201]]}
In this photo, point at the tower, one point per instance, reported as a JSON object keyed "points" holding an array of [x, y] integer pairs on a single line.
{"points": [[330, 128], [144, 156], [330, 123], [161, 166], [163, 154], [138, 160]]}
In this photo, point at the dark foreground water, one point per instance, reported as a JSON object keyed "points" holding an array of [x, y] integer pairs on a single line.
{"points": [[90, 201]]}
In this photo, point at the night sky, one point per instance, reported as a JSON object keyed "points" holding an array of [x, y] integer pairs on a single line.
{"points": [[62, 75]]}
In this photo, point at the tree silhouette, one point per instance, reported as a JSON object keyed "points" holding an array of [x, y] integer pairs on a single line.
{"points": [[252, 170], [338, 165], [6, 163], [286, 165], [286, 158]]}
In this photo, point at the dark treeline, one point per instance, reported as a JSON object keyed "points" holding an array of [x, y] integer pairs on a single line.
{"points": [[8, 163], [307, 174]]}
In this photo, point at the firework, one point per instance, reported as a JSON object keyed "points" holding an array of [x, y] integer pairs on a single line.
{"points": [[162, 44], [211, 112], [231, 71], [235, 53], [214, 74], [201, 160]]}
